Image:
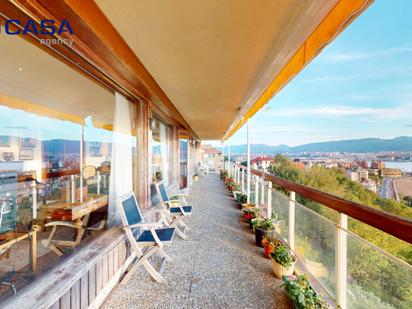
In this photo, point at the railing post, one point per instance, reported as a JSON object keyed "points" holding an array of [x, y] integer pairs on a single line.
{"points": [[104, 182], [242, 171], [68, 193], [257, 191], [223, 155], [81, 164], [262, 191], [98, 182], [34, 194], [248, 162], [291, 238], [228, 158], [73, 188], [234, 173], [269, 206], [341, 260]]}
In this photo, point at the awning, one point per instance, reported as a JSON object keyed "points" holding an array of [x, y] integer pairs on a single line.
{"points": [[344, 12], [33, 81]]}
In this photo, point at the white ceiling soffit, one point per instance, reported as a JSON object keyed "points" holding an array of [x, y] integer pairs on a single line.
{"points": [[212, 57], [46, 81]]}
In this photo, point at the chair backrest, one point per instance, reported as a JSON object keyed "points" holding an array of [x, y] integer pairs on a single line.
{"points": [[130, 214], [161, 190], [129, 209]]}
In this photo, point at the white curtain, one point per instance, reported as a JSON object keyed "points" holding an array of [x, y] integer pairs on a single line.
{"points": [[121, 174], [164, 151]]}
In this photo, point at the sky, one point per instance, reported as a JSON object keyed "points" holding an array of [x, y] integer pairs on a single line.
{"points": [[359, 86]]}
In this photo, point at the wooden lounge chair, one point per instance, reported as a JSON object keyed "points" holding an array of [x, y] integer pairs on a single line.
{"points": [[178, 209], [150, 238]]}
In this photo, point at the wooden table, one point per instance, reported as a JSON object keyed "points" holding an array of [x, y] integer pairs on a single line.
{"points": [[78, 210], [80, 213]]}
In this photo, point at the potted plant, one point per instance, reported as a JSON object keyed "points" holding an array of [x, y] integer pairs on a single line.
{"points": [[302, 293], [268, 245], [196, 177], [283, 261], [242, 199], [223, 174], [250, 213], [235, 189], [263, 228]]}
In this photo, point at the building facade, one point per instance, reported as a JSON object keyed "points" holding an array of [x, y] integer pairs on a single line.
{"points": [[212, 158]]}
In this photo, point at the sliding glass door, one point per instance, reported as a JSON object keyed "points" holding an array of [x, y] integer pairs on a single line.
{"points": [[183, 151]]}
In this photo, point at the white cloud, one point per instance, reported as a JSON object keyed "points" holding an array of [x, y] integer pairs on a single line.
{"points": [[351, 56], [397, 112], [276, 129]]}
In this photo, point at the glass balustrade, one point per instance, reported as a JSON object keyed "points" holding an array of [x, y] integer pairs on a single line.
{"points": [[375, 278]]}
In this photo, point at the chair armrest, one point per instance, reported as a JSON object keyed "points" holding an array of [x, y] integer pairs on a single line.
{"points": [[156, 238], [180, 206], [142, 225], [179, 195], [175, 202], [163, 220], [62, 223]]}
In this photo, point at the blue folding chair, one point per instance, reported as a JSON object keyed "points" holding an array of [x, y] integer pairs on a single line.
{"points": [[151, 239], [178, 209]]}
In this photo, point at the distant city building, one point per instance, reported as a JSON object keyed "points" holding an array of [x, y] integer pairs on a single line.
{"points": [[364, 164], [331, 164], [353, 175], [363, 174], [377, 165], [261, 163], [391, 172], [212, 157], [370, 185], [238, 158]]}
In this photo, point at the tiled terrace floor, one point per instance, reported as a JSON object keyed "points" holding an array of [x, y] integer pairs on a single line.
{"points": [[219, 266]]}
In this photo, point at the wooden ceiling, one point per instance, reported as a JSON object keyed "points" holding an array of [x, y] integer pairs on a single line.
{"points": [[211, 57]]}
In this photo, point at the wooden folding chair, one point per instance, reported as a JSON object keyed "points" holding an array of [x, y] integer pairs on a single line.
{"points": [[177, 207], [80, 226], [151, 239]]}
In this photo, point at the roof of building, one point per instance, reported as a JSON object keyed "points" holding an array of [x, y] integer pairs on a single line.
{"points": [[259, 159], [299, 165]]}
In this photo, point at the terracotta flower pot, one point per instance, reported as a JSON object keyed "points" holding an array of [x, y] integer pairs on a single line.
{"points": [[280, 270], [246, 205], [268, 250]]}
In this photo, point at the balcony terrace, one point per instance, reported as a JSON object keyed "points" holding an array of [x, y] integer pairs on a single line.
{"points": [[219, 266]]}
